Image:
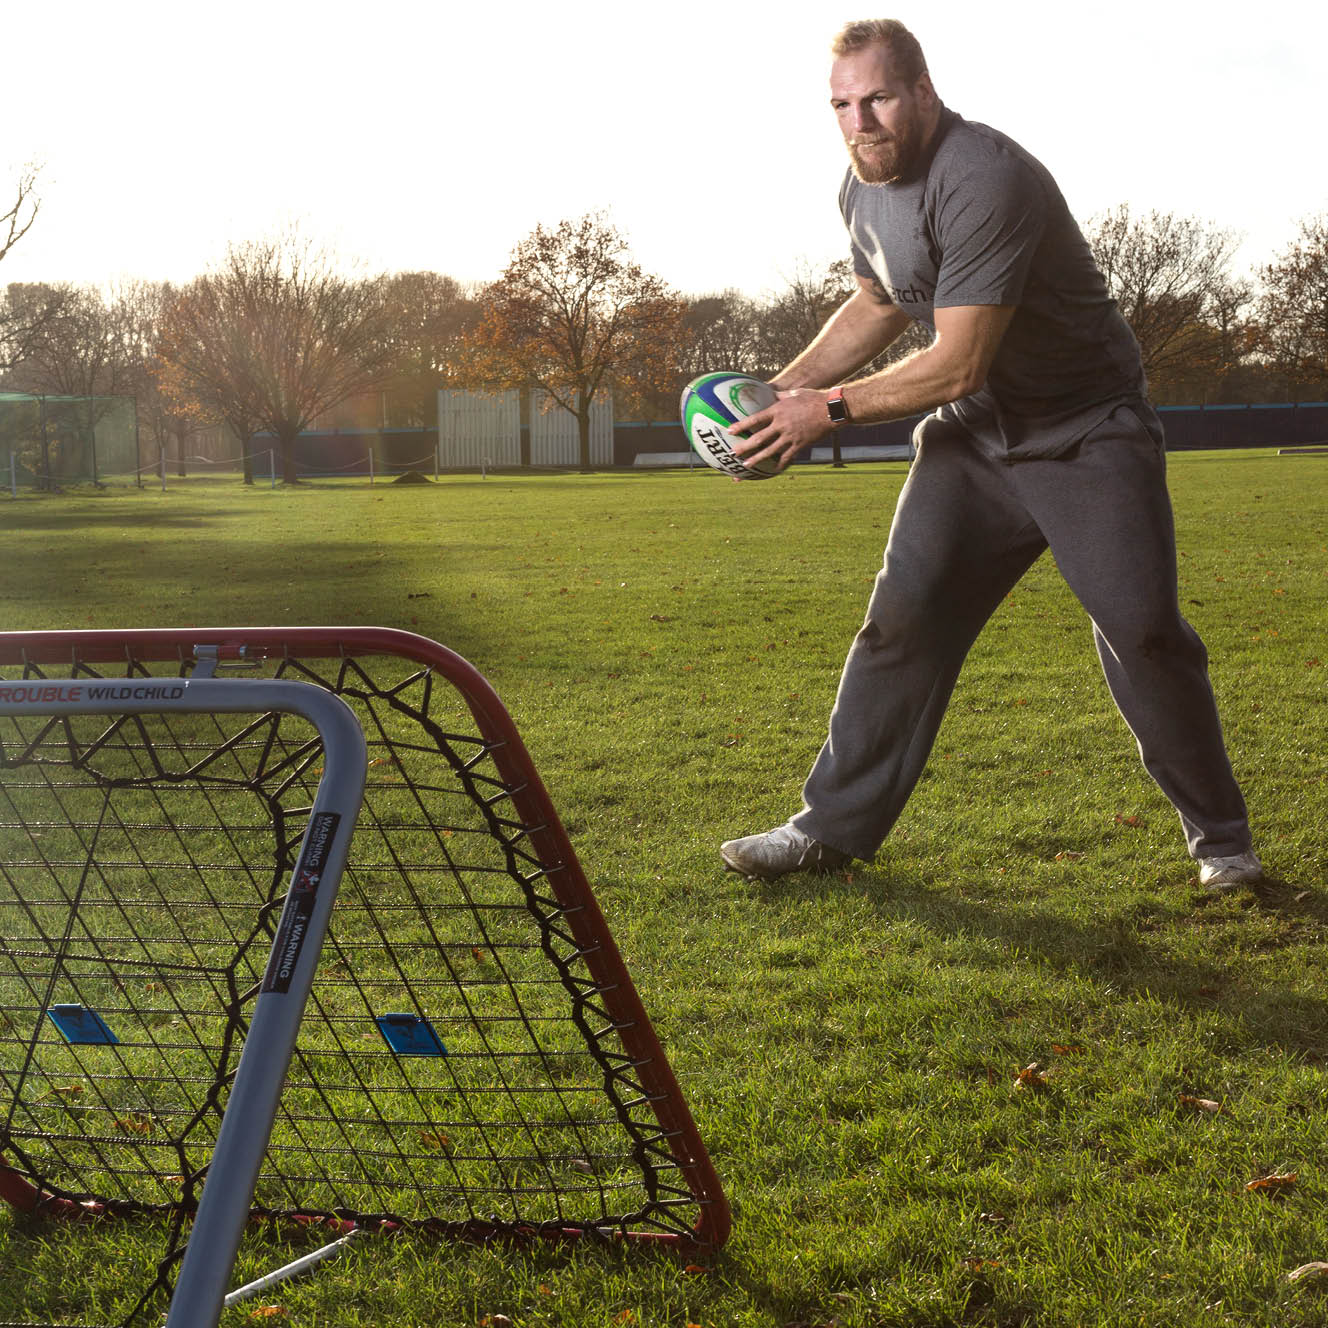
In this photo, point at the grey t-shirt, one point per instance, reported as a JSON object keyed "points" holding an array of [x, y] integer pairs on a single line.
{"points": [[983, 222]]}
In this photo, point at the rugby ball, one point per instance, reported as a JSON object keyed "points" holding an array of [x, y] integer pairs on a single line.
{"points": [[709, 405]]}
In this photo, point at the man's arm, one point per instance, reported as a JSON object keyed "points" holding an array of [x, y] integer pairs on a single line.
{"points": [[857, 332], [955, 364]]}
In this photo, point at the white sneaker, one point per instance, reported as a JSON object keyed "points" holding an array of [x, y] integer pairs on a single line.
{"points": [[778, 852], [1223, 874]]}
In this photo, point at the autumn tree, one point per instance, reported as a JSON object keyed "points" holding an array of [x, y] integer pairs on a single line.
{"points": [[1170, 276], [575, 315], [274, 337], [168, 422], [201, 363], [429, 317], [1293, 309]]}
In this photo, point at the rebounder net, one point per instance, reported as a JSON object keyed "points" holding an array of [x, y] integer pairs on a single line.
{"points": [[473, 1059], [54, 440]]}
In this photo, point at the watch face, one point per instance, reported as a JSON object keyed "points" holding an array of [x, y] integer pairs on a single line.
{"points": [[837, 410]]}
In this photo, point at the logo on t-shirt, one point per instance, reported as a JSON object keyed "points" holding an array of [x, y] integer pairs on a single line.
{"points": [[911, 294]]}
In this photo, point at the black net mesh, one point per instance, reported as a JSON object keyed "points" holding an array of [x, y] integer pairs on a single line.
{"points": [[458, 1070]]}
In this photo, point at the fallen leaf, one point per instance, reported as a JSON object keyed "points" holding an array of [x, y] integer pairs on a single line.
{"points": [[1128, 820], [1202, 1104], [1316, 1269], [695, 1268], [627, 1316], [1068, 1048], [135, 1123], [1031, 1077], [61, 1090], [1274, 1184], [268, 1312], [981, 1265], [478, 954], [435, 1139], [1068, 855], [580, 1164]]}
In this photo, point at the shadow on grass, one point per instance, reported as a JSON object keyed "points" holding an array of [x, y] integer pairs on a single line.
{"points": [[105, 579], [52, 516], [1114, 950]]}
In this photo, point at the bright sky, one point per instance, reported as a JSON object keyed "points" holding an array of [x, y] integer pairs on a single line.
{"points": [[436, 135]]}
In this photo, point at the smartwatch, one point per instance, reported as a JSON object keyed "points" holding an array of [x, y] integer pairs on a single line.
{"points": [[836, 407]]}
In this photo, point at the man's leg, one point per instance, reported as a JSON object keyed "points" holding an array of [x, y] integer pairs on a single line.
{"points": [[1107, 516], [959, 541]]}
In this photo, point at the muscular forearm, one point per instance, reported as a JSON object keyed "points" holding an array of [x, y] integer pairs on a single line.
{"points": [[858, 331], [955, 364], [921, 382]]}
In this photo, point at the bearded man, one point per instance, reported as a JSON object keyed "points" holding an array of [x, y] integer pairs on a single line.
{"points": [[1040, 435]]}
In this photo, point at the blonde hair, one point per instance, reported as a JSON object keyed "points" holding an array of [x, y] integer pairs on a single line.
{"points": [[905, 54]]}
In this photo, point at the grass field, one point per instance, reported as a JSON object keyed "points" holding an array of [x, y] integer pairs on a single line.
{"points": [[669, 645]]}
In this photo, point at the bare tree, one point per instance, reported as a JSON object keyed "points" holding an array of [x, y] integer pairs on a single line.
{"points": [[276, 336], [1293, 309], [574, 314], [16, 223], [720, 332], [22, 317], [1170, 276], [792, 318]]}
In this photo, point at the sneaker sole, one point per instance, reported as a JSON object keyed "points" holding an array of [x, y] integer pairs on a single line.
{"points": [[819, 869], [1227, 887]]}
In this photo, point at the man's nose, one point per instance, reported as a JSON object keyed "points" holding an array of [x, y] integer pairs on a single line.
{"points": [[863, 118]]}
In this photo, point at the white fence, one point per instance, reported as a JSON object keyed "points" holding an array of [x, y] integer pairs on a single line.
{"points": [[476, 429], [479, 429], [554, 437]]}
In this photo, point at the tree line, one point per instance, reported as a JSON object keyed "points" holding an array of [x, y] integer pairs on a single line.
{"points": [[278, 333]]}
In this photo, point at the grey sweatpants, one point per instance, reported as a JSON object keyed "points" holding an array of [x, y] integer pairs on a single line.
{"points": [[966, 528]]}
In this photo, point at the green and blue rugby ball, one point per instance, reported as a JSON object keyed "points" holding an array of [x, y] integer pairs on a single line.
{"points": [[710, 404]]}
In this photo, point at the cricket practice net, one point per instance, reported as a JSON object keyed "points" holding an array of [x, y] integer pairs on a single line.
{"points": [[472, 1059]]}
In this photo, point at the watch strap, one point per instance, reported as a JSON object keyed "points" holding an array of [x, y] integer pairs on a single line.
{"points": [[836, 407]]}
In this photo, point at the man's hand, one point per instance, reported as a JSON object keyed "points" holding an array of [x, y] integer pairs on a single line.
{"points": [[797, 420]]}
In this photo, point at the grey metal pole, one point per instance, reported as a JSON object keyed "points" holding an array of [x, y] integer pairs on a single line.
{"points": [[242, 1140], [46, 445]]}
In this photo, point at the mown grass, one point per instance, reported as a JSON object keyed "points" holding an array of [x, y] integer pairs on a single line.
{"points": [[669, 645]]}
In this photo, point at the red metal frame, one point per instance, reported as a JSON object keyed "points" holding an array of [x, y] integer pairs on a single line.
{"points": [[553, 847]]}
